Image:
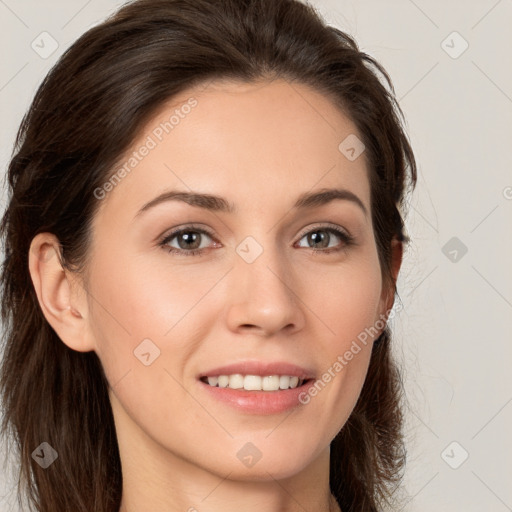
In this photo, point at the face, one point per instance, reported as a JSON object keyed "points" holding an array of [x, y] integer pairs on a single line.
{"points": [[263, 280]]}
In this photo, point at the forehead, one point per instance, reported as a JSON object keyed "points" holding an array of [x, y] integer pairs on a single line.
{"points": [[246, 141]]}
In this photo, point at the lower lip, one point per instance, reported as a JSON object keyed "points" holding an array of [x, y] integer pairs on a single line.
{"points": [[259, 402]]}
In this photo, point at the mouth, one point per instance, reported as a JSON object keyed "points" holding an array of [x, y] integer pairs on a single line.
{"points": [[270, 383], [257, 387], [257, 376], [260, 395]]}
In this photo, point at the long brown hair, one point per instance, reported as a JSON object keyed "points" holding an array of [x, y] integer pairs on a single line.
{"points": [[84, 116]]}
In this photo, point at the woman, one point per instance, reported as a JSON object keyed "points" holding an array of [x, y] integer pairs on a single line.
{"points": [[202, 239]]}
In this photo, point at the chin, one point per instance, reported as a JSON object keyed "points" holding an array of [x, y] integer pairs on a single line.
{"points": [[264, 460]]}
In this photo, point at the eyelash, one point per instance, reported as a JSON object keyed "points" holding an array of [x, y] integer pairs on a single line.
{"points": [[347, 239]]}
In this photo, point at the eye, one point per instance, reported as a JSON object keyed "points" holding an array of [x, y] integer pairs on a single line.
{"points": [[323, 236], [188, 239]]}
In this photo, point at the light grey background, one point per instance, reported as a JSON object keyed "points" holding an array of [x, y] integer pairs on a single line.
{"points": [[454, 335]]}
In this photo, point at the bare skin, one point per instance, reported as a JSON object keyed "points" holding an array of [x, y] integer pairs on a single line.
{"points": [[260, 146]]}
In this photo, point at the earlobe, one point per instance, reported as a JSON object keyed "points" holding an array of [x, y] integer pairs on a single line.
{"points": [[57, 293]]}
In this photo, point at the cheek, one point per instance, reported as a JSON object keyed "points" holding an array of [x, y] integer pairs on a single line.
{"points": [[349, 311], [146, 322], [134, 301], [348, 299]]}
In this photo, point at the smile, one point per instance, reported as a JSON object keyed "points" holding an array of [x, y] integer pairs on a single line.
{"points": [[254, 382]]}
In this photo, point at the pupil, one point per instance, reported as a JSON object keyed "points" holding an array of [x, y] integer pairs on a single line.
{"points": [[315, 238], [189, 236]]}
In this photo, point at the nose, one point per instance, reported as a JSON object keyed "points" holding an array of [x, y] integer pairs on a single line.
{"points": [[264, 295]]}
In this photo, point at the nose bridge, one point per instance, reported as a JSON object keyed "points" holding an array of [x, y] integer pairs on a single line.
{"points": [[263, 257], [262, 287]]}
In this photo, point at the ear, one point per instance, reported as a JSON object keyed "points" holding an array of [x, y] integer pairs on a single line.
{"points": [[59, 292], [388, 294]]}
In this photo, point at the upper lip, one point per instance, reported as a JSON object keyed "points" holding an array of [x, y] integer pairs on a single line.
{"points": [[260, 368]]}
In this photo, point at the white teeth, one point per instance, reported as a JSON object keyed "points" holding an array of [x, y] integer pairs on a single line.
{"points": [[284, 382], [223, 381], [270, 383], [236, 381], [252, 383], [294, 381], [255, 382], [213, 381]]}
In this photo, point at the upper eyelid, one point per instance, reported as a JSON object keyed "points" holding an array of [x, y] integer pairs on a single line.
{"points": [[177, 231], [325, 225]]}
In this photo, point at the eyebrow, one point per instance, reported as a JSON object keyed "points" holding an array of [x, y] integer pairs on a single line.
{"points": [[220, 204]]}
